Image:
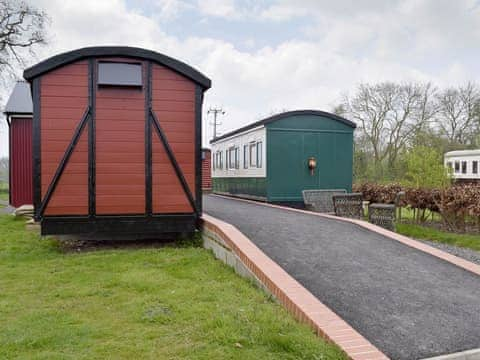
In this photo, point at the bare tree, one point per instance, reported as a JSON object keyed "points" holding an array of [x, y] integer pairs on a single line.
{"points": [[370, 107], [389, 115], [22, 26], [458, 116], [411, 112]]}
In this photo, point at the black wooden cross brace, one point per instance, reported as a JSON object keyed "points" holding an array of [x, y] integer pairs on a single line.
{"points": [[63, 163], [173, 160]]}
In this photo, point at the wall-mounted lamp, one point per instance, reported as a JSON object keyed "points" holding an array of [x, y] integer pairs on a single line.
{"points": [[312, 164]]}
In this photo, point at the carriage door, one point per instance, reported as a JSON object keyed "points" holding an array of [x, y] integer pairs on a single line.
{"points": [[310, 178]]}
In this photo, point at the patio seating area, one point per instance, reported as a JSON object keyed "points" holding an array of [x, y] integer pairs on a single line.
{"points": [[351, 205]]}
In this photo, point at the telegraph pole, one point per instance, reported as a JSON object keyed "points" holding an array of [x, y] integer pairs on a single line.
{"points": [[215, 112]]}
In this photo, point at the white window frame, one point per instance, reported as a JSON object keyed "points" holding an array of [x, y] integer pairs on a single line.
{"points": [[218, 160], [259, 154], [246, 155], [233, 158], [252, 154], [456, 168], [237, 157]]}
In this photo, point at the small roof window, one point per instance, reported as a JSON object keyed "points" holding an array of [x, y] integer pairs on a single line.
{"points": [[119, 74]]}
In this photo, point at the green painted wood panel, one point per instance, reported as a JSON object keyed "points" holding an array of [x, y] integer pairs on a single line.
{"points": [[291, 141], [255, 187]]}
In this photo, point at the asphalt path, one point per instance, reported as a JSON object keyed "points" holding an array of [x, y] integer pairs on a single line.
{"points": [[409, 304]]}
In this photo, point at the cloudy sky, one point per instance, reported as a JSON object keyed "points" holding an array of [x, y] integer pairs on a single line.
{"points": [[266, 56]]}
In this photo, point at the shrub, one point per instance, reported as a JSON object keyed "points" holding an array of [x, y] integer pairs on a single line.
{"points": [[425, 169], [455, 204]]}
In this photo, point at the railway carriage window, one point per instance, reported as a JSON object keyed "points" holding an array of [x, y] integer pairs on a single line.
{"points": [[245, 156], [475, 167], [259, 154], [449, 165], [237, 157], [119, 74], [213, 161], [457, 167], [253, 154], [218, 160], [232, 158], [464, 167]]}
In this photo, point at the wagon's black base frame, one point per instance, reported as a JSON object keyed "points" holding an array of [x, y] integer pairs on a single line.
{"points": [[147, 226]]}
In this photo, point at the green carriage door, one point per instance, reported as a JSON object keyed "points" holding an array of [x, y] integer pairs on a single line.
{"points": [[288, 172], [288, 154], [310, 179], [326, 162]]}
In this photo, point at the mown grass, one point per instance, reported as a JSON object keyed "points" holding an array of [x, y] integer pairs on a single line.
{"points": [[422, 232], [3, 191], [408, 214], [150, 303]]}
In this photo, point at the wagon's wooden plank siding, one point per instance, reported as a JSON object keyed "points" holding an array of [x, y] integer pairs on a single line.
{"points": [[125, 189], [120, 150], [173, 100], [176, 117], [117, 115], [168, 195], [174, 95], [125, 103], [71, 194], [64, 79], [177, 106], [76, 68], [63, 102]]}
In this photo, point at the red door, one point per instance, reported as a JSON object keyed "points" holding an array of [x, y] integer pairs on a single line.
{"points": [[21, 174]]}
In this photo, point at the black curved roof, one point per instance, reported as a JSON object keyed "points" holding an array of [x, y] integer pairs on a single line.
{"points": [[276, 117], [127, 51]]}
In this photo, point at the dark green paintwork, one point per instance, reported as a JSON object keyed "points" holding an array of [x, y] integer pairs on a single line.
{"points": [[291, 141], [253, 186]]}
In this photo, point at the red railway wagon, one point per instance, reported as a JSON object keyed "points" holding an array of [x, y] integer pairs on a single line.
{"points": [[116, 142], [18, 112]]}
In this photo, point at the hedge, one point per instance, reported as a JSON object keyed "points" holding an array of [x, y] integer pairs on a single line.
{"points": [[456, 204]]}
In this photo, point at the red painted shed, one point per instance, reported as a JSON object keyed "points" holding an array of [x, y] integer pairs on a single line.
{"points": [[116, 142], [206, 170], [18, 112]]}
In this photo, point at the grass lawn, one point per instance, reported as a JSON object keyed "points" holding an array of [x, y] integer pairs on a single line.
{"points": [[150, 303], [3, 191], [423, 232]]}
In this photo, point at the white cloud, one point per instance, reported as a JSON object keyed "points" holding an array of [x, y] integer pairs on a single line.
{"points": [[220, 8], [169, 10]]}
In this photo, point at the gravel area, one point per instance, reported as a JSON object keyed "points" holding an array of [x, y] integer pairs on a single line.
{"points": [[465, 253], [409, 304], [5, 208]]}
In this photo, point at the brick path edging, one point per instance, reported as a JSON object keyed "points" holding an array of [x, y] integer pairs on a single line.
{"points": [[302, 304], [465, 264]]}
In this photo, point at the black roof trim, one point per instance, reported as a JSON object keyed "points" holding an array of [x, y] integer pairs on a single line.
{"points": [[127, 51], [276, 117]]}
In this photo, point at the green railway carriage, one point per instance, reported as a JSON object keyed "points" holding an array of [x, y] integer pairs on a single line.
{"points": [[274, 159]]}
